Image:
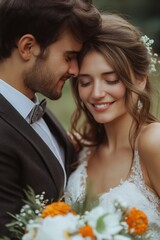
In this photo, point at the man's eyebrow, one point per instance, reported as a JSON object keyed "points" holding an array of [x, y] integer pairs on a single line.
{"points": [[72, 52]]}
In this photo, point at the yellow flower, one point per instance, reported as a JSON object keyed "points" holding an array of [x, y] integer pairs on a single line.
{"points": [[57, 208], [137, 221], [86, 231]]}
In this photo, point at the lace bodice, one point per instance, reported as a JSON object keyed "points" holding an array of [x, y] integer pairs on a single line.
{"points": [[133, 190]]}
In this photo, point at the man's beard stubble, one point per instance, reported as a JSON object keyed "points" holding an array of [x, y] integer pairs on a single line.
{"points": [[38, 79]]}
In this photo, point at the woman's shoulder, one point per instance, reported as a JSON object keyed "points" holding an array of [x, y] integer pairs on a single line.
{"points": [[149, 137], [149, 151]]}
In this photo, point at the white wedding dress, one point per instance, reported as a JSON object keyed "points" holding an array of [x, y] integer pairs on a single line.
{"points": [[133, 191]]}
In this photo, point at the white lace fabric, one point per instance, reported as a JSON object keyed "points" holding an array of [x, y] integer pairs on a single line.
{"points": [[134, 191]]}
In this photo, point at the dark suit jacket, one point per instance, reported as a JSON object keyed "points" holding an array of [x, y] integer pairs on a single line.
{"points": [[26, 160]]}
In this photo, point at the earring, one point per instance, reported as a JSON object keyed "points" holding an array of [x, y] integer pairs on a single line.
{"points": [[139, 105]]}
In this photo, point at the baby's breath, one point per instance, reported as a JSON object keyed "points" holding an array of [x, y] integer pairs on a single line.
{"points": [[34, 204], [153, 56]]}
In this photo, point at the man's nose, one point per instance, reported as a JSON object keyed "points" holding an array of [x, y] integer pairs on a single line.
{"points": [[73, 68]]}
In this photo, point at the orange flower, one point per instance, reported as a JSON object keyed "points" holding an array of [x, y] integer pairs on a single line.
{"points": [[56, 208], [137, 221], [86, 231]]}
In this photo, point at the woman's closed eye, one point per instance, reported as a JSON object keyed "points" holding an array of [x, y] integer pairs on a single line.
{"points": [[87, 82], [112, 82], [84, 82], [110, 77]]}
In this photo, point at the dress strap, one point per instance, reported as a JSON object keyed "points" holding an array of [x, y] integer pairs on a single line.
{"points": [[137, 178]]}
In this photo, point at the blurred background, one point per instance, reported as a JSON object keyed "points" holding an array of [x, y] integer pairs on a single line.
{"points": [[145, 14]]}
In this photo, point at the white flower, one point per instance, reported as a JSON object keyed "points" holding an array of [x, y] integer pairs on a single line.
{"points": [[77, 237], [105, 226], [121, 202], [53, 228], [30, 235], [32, 229], [112, 226], [120, 237], [92, 216]]}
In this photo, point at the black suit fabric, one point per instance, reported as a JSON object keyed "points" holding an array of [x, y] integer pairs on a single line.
{"points": [[25, 160]]}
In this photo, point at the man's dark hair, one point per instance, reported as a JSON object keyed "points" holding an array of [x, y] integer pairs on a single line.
{"points": [[45, 20]]}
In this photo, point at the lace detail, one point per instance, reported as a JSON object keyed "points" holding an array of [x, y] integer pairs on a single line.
{"points": [[136, 193], [83, 177], [79, 176], [136, 177]]}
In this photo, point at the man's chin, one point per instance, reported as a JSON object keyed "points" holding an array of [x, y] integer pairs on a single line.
{"points": [[58, 97], [55, 96]]}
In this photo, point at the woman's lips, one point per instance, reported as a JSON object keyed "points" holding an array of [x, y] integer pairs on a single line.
{"points": [[102, 106]]}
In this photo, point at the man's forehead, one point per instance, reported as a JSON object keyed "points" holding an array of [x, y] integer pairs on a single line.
{"points": [[67, 44]]}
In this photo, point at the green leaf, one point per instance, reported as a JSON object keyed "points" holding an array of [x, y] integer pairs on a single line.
{"points": [[100, 227], [5, 238], [28, 212]]}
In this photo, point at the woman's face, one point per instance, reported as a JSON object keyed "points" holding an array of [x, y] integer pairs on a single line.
{"points": [[100, 89]]}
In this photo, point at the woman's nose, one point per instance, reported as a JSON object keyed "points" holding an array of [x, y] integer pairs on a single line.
{"points": [[73, 68], [98, 91]]}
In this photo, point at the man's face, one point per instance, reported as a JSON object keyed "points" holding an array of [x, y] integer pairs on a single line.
{"points": [[48, 74]]}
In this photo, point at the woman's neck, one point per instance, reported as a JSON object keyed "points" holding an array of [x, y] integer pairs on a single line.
{"points": [[118, 132]]}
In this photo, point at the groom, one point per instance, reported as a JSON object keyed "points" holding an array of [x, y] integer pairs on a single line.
{"points": [[39, 43]]}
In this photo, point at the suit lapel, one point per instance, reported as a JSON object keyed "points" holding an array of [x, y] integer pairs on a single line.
{"points": [[10, 115], [61, 135]]}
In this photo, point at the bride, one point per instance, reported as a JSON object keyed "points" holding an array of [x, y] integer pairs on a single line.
{"points": [[118, 136]]}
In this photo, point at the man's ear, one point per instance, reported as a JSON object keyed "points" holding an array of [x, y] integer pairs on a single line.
{"points": [[28, 47]]}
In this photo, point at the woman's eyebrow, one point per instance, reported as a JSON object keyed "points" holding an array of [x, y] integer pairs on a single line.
{"points": [[109, 72], [83, 75], [104, 73]]}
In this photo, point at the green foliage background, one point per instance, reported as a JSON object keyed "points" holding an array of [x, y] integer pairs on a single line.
{"points": [[143, 13]]}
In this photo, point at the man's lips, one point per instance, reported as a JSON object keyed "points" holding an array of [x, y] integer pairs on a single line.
{"points": [[62, 81], [65, 78]]}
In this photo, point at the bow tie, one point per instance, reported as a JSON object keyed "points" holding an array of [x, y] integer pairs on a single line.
{"points": [[37, 111]]}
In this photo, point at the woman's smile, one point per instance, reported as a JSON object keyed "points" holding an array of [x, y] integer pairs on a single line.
{"points": [[102, 106]]}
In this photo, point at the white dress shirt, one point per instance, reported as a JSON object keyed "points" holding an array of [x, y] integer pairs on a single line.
{"points": [[24, 106]]}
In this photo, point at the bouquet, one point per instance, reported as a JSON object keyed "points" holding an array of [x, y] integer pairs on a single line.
{"points": [[39, 220]]}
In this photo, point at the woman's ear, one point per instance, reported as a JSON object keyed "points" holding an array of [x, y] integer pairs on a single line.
{"points": [[28, 47], [141, 82]]}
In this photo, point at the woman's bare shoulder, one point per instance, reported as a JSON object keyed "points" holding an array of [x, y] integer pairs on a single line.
{"points": [[149, 137], [149, 152]]}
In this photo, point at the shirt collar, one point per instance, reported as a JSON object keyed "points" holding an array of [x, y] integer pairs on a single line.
{"points": [[18, 100]]}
